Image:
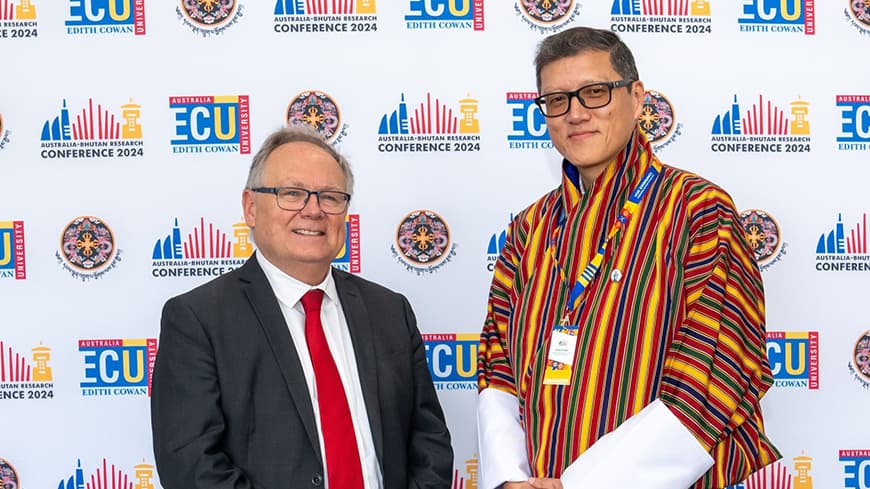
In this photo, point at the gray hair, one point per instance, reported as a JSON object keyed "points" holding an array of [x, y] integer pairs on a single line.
{"points": [[295, 133], [579, 40]]}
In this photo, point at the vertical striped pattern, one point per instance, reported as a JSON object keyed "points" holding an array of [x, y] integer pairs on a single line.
{"points": [[684, 324]]}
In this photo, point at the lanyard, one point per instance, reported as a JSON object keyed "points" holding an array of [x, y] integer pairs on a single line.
{"points": [[592, 268]]}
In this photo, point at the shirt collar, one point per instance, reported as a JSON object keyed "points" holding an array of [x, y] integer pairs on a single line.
{"points": [[289, 290]]}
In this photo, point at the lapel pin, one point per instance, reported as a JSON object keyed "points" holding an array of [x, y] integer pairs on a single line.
{"points": [[616, 275]]}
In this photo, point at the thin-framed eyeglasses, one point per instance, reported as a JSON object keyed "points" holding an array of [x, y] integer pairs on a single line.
{"points": [[296, 198], [592, 96]]}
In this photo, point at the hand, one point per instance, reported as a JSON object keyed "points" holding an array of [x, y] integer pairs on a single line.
{"points": [[545, 483]]}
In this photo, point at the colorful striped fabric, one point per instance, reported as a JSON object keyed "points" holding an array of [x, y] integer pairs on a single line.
{"points": [[684, 322]]}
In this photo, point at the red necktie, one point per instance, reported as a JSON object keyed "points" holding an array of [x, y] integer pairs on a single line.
{"points": [[343, 468]]}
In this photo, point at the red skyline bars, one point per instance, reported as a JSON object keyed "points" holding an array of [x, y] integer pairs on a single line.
{"points": [[100, 479], [421, 121], [106, 126], [773, 476], [218, 245], [674, 7], [13, 367], [765, 118], [856, 241], [313, 7], [6, 10]]}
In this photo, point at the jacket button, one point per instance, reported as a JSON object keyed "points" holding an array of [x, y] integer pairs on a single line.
{"points": [[317, 480]]}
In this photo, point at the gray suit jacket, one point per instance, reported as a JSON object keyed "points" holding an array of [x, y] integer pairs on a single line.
{"points": [[230, 407]]}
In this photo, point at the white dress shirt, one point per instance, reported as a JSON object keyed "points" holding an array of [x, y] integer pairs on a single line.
{"points": [[652, 450], [289, 291]]}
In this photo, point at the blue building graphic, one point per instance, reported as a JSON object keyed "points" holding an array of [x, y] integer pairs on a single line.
{"points": [[76, 481], [395, 122], [57, 129], [729, 122], [171, 247]]}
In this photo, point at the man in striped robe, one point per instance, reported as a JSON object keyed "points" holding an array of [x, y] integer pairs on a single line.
{"points": [[644, 275]]}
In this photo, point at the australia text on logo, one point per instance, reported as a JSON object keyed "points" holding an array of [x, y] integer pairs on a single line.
{"points": [[430, 126], [452, 360], [423, 242], [856, 468], [546, 16], [211, 124], [794, 358], [207, 18], [343, 16], [88, 248], [348, 259], [445, 14], [23, 379], [17, 20], [840, 251], [206, 251], [777, 16], [94, 132], [661, 16], [117, 367], [12, 261], [762, 128], [106, 17], [854, 122], [528, 125]]}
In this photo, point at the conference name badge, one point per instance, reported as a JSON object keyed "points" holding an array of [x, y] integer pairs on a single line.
{"points": [[560, 359]]}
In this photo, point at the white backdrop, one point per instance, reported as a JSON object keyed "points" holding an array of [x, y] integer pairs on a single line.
{"points": [[184, 102]]}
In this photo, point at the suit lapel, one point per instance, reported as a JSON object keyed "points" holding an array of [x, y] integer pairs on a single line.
{"points": [[268, 312], [362, 336]]}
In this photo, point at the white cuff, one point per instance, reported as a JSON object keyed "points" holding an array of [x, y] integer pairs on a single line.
{"points": [[501, 439], [652, 449]]}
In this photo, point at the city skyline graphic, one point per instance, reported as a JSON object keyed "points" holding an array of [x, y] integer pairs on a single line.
{"points": [[431, 117], [205, 241], [24, 10], [94, 123], [676, 8], [14, 367], [763, 118], [320, 7], [110, 477], [838, 241]]}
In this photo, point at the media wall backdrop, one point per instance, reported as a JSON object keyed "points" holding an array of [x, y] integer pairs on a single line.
{"points": [[127, 128]]}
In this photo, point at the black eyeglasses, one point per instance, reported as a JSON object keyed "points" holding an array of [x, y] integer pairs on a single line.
{"points": [[592, 96], [295, 198]]}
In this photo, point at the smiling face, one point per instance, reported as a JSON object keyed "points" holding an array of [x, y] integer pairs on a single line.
{"points": [[591, 138], [301, 243]]}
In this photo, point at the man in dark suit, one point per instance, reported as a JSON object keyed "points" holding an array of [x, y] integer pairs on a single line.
{"points": [[286, 373]]}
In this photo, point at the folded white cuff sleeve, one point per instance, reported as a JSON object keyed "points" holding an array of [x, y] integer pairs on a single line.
{"points": [[652, 449], [501, 439]]}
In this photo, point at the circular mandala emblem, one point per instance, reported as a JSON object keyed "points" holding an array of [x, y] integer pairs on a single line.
{"points": [[8, 476], [423, 237], [316, 109], [762, 231], [209, 13], [860, 11], [546, 12], [1, 135], [87, 243], [657, 116], [862, 356]]}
